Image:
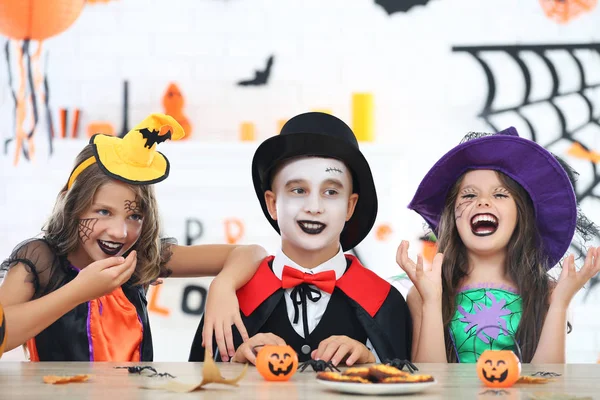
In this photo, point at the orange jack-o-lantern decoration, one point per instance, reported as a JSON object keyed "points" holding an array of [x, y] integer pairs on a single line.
{"points": [[276, 363], [173, 103], [37, 19], [2, 331], [498, 368]]}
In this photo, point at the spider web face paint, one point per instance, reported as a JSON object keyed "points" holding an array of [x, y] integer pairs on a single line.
{"points": [[461, 207], [86, 227], [574, 141]]}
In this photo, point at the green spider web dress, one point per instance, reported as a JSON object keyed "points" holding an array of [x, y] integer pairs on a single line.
{"points": [[479, 307]]}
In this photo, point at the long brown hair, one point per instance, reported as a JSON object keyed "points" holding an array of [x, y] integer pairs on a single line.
{"points": [[61, 229], [525, 265]]}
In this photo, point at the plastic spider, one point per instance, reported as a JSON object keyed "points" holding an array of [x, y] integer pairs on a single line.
{"points": [[318, 366], [400, 364], [140, 369], [545, 374]]}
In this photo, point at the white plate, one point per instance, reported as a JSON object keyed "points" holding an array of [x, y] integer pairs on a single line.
{"points": [[376, 388]]}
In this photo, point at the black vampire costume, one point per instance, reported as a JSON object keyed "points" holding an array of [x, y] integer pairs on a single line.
{"points": [[362, 304]]}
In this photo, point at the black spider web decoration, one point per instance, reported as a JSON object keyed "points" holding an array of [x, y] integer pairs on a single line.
{"points": [[589, 192]]}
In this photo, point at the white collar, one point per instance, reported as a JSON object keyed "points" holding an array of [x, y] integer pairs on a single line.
{"points": [[337, 264]]}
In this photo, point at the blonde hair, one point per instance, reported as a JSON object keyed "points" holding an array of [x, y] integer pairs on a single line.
{"points": [[61, 229]]}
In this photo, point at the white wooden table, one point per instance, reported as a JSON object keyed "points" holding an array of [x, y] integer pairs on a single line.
{"points": [[459, 381]]}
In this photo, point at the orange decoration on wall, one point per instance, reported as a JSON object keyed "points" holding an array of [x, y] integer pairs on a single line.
{"points": [[37, 19], [27, 21], [429, 251], [247, 132], [578, 151], [153, 304], [383, 232], [105, 128], [173, 104], [234, 230], [563, 11]]}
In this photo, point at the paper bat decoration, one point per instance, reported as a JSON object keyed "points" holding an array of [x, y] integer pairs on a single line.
{"points": [[394, 6], [260, 77]]}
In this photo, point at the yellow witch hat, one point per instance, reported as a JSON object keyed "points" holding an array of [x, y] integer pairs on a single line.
{"points": [[133, 158]]}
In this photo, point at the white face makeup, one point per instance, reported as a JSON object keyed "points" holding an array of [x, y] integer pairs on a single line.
{"points": [[485, 212], [110, 226], [312, 199]]}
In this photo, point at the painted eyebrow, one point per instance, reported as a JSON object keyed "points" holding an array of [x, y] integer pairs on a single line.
{"points": [[468, 188], [471, 189]]}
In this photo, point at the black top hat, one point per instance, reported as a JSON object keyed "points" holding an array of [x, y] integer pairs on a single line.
{"points": [[320, 135]]}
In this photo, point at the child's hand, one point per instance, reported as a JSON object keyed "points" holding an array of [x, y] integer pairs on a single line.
{"points": [[222, 311], [104, 276], [427, 281], [340, 348], [245, 353], [571, 280]]}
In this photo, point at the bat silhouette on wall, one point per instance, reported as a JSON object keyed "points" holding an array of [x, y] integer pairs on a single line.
{"points": [[260, 77], [153, 136], [394, 6]]}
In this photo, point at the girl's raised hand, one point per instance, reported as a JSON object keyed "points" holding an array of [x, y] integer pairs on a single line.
{"points": [[571, 280], [428, 281]]}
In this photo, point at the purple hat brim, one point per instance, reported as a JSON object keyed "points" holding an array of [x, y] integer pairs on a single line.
{"points": [[526, 162]]}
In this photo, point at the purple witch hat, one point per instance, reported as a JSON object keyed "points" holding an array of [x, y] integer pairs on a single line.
{"points": [[526, 162]]}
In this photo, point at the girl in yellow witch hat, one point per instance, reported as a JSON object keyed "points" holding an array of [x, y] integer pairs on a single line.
{"points": [[78, 293]]}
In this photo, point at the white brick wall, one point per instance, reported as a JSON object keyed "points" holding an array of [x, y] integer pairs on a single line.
{"points": [[426, 97]]}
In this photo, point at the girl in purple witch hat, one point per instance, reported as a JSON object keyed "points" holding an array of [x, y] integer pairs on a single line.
{"points": [[504, 213]]}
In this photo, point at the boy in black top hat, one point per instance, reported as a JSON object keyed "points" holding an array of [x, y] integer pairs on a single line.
{"points": [[316, 189]]}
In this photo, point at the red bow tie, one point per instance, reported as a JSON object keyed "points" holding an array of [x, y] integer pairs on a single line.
{"points": [[323, 280]]}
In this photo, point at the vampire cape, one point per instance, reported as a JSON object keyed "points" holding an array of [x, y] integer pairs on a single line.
{"points": [[378, 306]]}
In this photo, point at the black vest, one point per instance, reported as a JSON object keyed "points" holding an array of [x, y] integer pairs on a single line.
{"points": [[339, 318]]}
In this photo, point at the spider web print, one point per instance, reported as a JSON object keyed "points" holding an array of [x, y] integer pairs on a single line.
{"points": [[464, 345], [587, 91]]}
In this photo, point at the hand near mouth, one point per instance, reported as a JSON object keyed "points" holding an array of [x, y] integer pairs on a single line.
{"points": [[103, 277]]}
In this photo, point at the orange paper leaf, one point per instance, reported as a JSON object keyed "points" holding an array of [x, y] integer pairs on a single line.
{"points": [[55, 380]]}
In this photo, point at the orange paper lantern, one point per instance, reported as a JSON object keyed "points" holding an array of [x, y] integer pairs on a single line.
{"points": [[37, 19]]}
